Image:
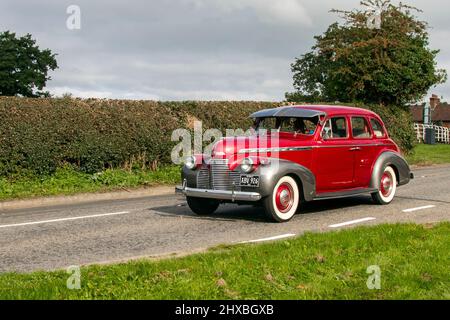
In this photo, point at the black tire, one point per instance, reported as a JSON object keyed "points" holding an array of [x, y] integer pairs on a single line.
{"points": [[276, 213], [386, 194], [202, 206]]}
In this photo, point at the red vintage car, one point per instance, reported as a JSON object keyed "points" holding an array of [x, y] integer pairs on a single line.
{"points": [[298, 154]]}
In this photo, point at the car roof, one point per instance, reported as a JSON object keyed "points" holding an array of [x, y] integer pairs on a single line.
{"points": [[332, 110], [288, 112]]}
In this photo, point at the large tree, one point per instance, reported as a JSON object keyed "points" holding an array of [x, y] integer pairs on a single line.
{"points": [[23, 66], [358, 61]]}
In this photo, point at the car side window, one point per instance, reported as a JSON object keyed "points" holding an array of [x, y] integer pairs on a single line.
{"points": [[335, 128], [360, 128], [377, 128], [267, 124]]}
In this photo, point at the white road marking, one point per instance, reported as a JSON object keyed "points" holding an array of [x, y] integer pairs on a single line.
{"points": [[351, 222], [419, 208], [283, 236], [63, 219]]}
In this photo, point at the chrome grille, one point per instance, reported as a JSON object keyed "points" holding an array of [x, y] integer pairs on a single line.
{"points": [[203, 179], [221, 176]]}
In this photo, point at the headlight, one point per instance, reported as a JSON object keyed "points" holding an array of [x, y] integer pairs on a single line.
{"points": [[190, 162], [247, 165]]}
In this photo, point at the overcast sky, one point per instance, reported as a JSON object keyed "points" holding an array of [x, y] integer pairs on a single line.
{"points": [[188, 49]]}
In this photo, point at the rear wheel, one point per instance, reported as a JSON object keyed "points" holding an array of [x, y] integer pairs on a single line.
{"points": [[202, 206], [283, 203], [388, 187]]}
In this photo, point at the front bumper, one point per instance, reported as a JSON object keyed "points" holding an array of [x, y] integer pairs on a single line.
{"points": [[219, 194]]}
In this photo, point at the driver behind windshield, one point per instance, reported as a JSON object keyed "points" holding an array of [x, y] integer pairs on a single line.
{"points": [[299, 126], [306, 126]]}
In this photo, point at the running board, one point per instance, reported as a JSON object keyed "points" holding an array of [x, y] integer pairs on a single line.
{"points": [[344, 194]]}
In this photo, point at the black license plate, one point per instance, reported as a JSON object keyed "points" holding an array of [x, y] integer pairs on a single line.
{"points": [[250, 181]]}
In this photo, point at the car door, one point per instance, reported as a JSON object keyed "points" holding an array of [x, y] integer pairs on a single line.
{"points": [[364, 150], [333, 157]]}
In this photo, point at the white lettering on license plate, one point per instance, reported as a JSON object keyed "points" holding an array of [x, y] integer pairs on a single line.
{"points": [[250, 181]]}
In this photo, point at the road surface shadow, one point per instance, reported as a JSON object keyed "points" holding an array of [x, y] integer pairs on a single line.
{"points": [[233, 212], [226, 212]]}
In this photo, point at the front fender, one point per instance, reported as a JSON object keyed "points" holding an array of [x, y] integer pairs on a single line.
{"points": [[399, 164], [270, 174], [190, 176]]}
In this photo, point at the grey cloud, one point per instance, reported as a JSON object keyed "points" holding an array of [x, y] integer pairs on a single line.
{"points": [[186, 49]]}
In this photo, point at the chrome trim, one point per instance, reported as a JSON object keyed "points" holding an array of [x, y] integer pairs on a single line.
{"points": [[219, 194], [288, 149], [355, 145], [266, 150]]}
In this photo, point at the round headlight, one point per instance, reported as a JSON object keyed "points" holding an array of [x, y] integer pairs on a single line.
{"points": [[247, 165], [190, 162]]}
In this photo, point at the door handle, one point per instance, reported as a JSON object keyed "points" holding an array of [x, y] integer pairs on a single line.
{"points": [[355, 149]]}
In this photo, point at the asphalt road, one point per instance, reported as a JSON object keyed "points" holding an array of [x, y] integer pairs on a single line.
{"points": [[117, 230]]}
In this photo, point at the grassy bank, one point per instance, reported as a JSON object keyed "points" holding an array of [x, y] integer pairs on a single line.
{"points": [[67, 181], [413, 260], [430, 154]]}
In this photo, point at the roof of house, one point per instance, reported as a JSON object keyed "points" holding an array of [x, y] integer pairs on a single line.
{"points": [[441, 113]]}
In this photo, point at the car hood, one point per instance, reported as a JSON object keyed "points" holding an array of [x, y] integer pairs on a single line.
{"points": [[231, 146]]}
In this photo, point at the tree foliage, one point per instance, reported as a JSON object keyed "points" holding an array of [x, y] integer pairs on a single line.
{"points": [[352, 61], [23, 66]]}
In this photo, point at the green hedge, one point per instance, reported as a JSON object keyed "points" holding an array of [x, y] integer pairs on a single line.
{"points": [[39, 135]]}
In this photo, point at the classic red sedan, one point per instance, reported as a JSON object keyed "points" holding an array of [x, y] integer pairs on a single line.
{"points": [[298, 154]]}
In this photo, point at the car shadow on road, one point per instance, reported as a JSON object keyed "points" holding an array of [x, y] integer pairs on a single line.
{"points": [[233, 212], [335, 204], [226, 212]]}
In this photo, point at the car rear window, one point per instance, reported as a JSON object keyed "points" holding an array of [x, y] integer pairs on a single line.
{"points": [[377, 128], [360, 128]]}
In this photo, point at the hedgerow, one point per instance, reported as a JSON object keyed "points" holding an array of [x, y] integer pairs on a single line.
{"points": [[37, 136]]}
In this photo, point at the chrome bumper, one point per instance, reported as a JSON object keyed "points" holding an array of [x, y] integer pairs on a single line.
{"points": [[218, 194]]}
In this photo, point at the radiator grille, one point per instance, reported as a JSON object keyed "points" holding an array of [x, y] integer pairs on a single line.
{"points": [[203, 179], [218, 177]]}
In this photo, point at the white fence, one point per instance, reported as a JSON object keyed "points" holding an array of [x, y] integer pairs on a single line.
{"points": [[442, 133]]}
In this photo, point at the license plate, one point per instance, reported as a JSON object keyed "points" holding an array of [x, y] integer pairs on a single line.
{"points": [[250, 181]]}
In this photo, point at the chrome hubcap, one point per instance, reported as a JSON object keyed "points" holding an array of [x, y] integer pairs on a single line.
{"points": [[386, 184], [284, 197]]}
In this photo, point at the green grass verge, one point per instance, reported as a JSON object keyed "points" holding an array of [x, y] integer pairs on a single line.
{"points": [[413, 259], [430, 154], [68, 181]]}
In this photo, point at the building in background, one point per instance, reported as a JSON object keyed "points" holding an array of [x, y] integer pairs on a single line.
{"points": [[440, 112]]}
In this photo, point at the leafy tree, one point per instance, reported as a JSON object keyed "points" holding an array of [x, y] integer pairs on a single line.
{"points": [[357, 62], [23, 66]]}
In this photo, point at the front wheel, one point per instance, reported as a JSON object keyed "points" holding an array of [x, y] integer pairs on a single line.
{"points": [[283, 203], [202, 206], [388, 187]]}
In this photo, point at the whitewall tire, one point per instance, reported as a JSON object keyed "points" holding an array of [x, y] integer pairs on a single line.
{"points": [[388, 187], [283, 203]]}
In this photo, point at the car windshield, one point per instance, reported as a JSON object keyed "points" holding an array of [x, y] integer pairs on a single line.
{"points": [[305, 126]]}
